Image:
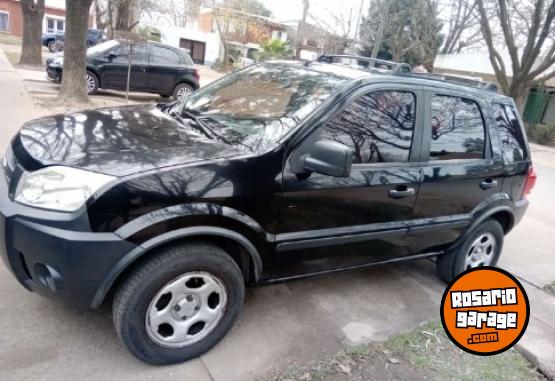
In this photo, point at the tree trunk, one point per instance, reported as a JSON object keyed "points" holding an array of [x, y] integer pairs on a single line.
{"points": [[73, 88], [301, 29], [31, 50], [519, 94]]}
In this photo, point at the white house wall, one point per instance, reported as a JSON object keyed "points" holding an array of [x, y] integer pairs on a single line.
{"points": [[172, 35]]}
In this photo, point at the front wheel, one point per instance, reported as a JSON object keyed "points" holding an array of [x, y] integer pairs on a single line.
{"points": [[179, 303], [481, 248]]}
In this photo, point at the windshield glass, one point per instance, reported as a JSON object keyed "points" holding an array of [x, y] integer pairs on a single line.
{"points": [[256, 106], [102, 47]]}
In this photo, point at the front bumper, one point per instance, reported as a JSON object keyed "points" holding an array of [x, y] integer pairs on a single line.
{"points": [[55, 254]]}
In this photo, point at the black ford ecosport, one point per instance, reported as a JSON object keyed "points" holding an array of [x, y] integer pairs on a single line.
{"points": [[278, 171]]}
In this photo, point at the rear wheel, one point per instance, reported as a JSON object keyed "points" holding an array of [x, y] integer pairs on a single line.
{"points": [[179, 303], [91, 83], [481, 248], [181, 91]]}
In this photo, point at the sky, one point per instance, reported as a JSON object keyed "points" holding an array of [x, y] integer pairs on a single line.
{"points": [[287, 10]]}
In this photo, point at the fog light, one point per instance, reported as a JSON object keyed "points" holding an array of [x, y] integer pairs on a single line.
{"points": [[47, 276]]}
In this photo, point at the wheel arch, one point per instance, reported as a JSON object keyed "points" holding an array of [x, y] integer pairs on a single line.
{"points": [[241, 250]]}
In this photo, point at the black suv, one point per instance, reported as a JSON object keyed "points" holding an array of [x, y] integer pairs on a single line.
{"points": [[275, 172], [155, 68]]}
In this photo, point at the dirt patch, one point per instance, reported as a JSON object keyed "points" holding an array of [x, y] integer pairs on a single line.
{"points": [[423, 354], [550, 288]]}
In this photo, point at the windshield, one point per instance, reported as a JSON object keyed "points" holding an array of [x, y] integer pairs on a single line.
{"points": [[102, 47], [257, 106]]}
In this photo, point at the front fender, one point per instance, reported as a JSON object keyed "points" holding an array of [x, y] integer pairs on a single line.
{"points": [[170, 236]]}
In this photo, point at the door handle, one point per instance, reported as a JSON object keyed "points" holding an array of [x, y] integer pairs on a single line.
{"points": [[488, 184], [401, 191]]}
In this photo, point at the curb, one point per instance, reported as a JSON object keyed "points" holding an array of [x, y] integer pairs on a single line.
{"points": [[533, 359]]}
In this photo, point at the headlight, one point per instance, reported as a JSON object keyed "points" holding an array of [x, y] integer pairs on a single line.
{"points": [[59, 188]]}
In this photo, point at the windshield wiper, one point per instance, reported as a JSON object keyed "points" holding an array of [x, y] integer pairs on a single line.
{"points": [[202, 126]]}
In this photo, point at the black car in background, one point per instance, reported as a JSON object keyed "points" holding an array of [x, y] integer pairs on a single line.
{"points": [[156, 68], [275, 172], [54, 41]]}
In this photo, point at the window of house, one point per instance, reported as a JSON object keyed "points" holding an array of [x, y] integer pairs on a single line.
{"points": [[458, 130], [164, 56], [510, 133], [4, 21], [378, 126], [54, 25]]}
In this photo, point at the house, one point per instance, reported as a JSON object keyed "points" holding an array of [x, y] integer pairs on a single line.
{"points": [[199, 33], [540, 100], [315, 40], [11, 17], [244, 32]]}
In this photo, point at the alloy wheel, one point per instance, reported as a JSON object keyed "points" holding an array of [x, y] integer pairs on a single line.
{"points": [[91, 83], [186, 310], [481, 252], [182, 92]]}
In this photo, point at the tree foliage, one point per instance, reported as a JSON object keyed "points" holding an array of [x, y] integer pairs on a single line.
{"points": [[150, 33], [274, 49], [404, 30], [526, 30], [463, 26]]}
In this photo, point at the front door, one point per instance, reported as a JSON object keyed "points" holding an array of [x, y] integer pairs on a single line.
{"points": [[196, 49], [459, 170], [329, 223], [116, 65]]}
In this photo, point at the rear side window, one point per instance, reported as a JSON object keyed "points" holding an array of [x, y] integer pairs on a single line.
{"points": [[510, 133], [164, 56], [458, 130], [378, 126]]}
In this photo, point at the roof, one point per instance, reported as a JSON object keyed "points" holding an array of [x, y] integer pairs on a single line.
{"points": [[399, 78]]}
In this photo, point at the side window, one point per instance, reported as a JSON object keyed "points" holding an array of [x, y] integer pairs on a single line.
{"points": [[164, 56], [378, 126], [458, 130], [121, 53], [510, 133]]}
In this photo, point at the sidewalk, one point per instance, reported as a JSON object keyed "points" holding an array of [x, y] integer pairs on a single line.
{"points": [[19, 102]]}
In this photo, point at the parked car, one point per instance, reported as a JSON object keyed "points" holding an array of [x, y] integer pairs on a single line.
{"points": [[54, 41], [156, 68], [275, 172]]}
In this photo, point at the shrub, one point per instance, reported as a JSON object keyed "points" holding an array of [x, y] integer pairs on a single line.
{"points": [[542, 133]]}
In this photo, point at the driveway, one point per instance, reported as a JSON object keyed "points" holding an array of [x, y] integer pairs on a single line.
{"points": [[279, 325]]}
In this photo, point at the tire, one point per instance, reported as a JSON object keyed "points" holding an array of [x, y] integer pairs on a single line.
{"points": [[460, 258], [92, 83], [52, 47], [182, 89], [140, 294]]}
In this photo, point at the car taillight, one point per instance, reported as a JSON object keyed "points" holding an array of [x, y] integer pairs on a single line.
{"points": [[531, 178], [196, 74]]}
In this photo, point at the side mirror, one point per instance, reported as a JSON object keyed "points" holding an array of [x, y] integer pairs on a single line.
{"points": [[111, 56], [329, 158]]}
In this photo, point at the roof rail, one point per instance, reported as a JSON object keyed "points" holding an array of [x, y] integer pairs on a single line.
{"points": [[366, 63], [465, 81]]}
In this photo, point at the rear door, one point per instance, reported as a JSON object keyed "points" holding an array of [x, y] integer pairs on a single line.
{"points": [[460, 170], [165, 67], [329, 223]]}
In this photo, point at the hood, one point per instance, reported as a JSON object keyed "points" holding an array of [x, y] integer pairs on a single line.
{"points": [[115, 141]]}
